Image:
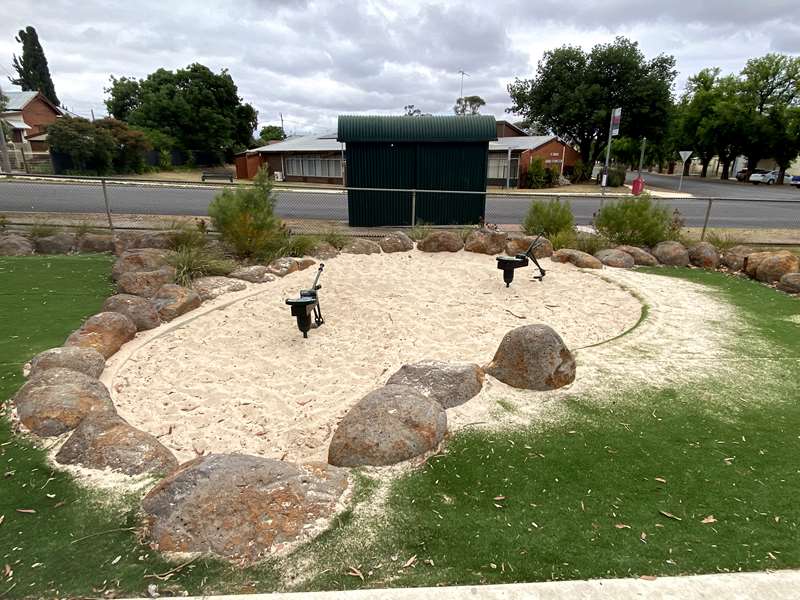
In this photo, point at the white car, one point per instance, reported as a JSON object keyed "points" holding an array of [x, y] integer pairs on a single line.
{"points": [[769, 177]]}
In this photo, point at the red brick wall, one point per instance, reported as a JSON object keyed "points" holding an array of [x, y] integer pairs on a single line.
{"points": [[551, 151], [38, 114], [503, 130]]}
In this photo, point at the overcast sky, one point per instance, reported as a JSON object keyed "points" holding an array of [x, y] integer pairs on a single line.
{"points": [[314, 60]]}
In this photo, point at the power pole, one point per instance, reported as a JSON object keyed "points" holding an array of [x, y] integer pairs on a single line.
{"points": [[284, 131]]}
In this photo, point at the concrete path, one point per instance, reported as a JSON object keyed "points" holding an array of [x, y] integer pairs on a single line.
{"points": [[776, 585]]}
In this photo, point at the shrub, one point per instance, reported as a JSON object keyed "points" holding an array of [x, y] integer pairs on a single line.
{"points": [[537, 174], [300, 245], [3, 222], [552, 177], [245, 218], [191, 262], [616, 176], [722, 241], [548, 218], [420, 231], [186, 235], [580, 173], [42, 228], [563, 239], [591, 243], [334, 238], [636, 221], [84, 227]]}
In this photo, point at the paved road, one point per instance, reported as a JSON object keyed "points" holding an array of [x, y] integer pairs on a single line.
{"points": [[716, 188], [332, 205]]}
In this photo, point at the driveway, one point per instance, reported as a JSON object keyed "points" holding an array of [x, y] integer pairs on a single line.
{"points": [[715, 188]]}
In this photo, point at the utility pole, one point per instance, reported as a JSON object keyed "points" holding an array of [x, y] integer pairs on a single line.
{"points": [[641, 156], [613, 129], [284, 131], [92, 111], [461, 96], [5, 162]]}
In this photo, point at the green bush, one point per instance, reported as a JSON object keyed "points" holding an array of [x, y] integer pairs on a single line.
{"points": [[42, 228], [334, 238], [420, 231], [186, 235], [636, 221], [299, 245], [563, 239], [548, 218], [590, 243], [616, 177], [722, 241], [551, 177], [245, 218], [191, 262], [579, 172], [537, 174], [3, 222]]}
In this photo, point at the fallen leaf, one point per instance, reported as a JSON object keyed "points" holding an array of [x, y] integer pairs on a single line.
{"points": [[353, 572], [669, 515], [709, 519], [643, 537], [26, 510], [2, 518], [661, 480], [622, 526], [499, 498], [648, 577], [772, 556], [8, 571], [410, 561], [116, 560]]}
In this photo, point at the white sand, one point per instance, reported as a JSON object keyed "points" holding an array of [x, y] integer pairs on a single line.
{"points": [[242, 378]]}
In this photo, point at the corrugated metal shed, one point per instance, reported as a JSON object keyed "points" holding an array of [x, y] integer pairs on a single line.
{"points": [[416, 153], [368, 128]]}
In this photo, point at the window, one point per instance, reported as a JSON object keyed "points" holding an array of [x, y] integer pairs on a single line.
{"points": [[313, 166], [498, 166]]}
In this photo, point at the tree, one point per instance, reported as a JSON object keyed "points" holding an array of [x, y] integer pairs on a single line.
{"points": [[468, 105], [199, 109], [699, 116], [90, 149], [123, 97], [271, 132], [574, 92], [785, 125], [33, 74], [130, 145], [412, 111]]}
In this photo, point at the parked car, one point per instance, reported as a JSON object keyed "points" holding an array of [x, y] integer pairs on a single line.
{"points": [[744, 174], [795, 181], [769, 177]]}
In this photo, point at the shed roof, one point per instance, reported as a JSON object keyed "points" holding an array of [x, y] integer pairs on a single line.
{"points": [[303, 143], [370, 128]]}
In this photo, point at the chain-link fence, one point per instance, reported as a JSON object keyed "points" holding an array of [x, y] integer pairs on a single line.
{"points": [[140, 204]]}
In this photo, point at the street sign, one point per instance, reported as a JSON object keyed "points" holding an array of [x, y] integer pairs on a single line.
{"points": [[616, 117], [685, 154]]}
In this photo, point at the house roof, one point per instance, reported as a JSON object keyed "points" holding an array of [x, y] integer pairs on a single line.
{"points": [[512, 126], [15, 122], [303, 143], [372, 128], [18, 100], [523, 142]]}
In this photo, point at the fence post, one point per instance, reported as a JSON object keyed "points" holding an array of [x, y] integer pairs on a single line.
{"points": [[705, 222], [413, 207], [108, 207]]}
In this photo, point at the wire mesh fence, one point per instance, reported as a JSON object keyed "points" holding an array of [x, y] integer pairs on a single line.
{"points": [[139, 204]]}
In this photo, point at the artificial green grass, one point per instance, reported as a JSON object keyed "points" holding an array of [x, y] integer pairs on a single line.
{"points": [[566, 500]]}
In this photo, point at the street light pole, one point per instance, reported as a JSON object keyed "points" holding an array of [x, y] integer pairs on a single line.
{"points": [[461, 96], [641, 156]]}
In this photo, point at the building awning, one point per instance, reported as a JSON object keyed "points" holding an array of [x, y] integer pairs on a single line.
{"points": [[15, 122], [42, 137], [370, 128]]}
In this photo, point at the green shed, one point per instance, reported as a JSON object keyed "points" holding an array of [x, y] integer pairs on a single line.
{"points": [[416, 153]]}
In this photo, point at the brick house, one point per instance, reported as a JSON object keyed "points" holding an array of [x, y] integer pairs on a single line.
{"points": [[28, 114]]}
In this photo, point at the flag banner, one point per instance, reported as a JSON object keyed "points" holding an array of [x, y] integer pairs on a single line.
{"points": [[616, 117]]}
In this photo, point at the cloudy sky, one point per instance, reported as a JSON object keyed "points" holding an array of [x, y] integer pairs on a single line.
{"points": [[314, 60]]}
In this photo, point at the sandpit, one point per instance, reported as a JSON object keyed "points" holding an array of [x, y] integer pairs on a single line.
{"points": [[241, 378]]}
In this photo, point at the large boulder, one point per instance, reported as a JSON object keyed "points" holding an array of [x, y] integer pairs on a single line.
{"points": [[704, 255], [324, 251], [441, 241], [577, 258], [486, 241], [361, 246], [106, 440], [253, 274], [173, 300], [733, 258], [240, 507], [85, 360], [142, 259], [533, 357], [212, 287], [751, 262], [58, 243], [519, 245], [772, 268], [615, 258], [673, 254], [790, 283], [450, 384], [105, 332], [281, 267], [305, 263], [57, 400], [397, 241], [12, 244], [95, 242], [127, 240], [137, 309], [145, 283], [387, 426], [640, 256]]}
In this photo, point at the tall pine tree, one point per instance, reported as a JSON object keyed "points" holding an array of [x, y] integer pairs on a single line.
{"points": [[33, 73]]}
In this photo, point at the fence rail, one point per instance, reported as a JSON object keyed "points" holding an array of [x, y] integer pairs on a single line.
{"points": [[119, 203]]}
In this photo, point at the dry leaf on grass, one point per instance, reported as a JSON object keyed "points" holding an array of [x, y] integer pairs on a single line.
{"points": [[410, 561], [669, 515], [2, 518], [354, 572], [622, 526], [661, 480], [648, 577], [709, 519], [26, 510]]}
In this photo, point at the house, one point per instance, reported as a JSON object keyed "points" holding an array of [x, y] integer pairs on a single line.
{"points": [[28, 114], [321, 158]]}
